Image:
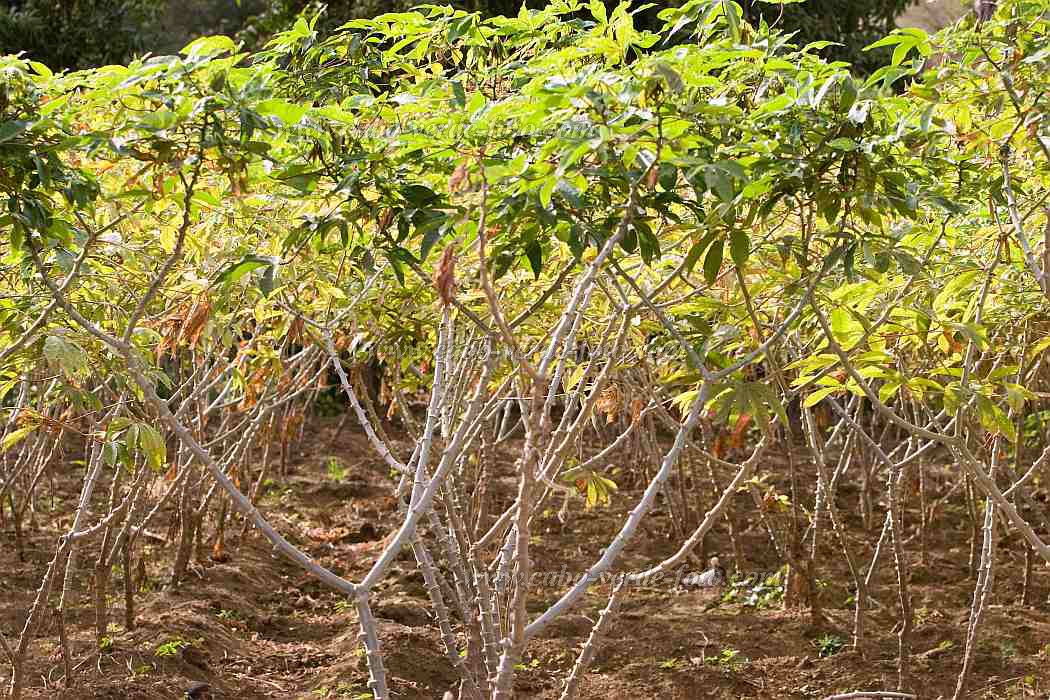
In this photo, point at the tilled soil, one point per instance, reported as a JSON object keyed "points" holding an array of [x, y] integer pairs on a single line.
{"points": [[254, 626]]}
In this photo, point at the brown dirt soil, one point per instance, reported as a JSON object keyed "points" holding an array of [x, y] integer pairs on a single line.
{"points": [[255, 627]]}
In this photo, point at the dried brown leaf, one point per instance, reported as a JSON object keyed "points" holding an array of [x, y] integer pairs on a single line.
{"points": [[458, 177], [609, 403], [445, 276]]}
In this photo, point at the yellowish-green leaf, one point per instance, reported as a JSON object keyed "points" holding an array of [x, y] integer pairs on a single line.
{"points": [[15, 437], [819, 395]]}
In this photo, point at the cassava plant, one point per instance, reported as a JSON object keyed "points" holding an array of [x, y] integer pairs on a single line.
{"points": [[567, 237]]}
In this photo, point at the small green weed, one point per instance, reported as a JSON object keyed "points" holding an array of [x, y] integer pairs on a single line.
{"points": [[761, 594], [728, 659], [171, 647], [829, 645], [336, 470], [231, 615]]}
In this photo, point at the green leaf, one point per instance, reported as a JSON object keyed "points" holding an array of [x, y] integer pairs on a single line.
{"points": [[534, 253], [419, 195], [131, 437], [902, 50], [111, 452], [891, 40], [55, 104], [397, 266], [841, 323], [819, 395], [629, 242], [598, 11], [1017, 396], [698, 249], [459, 95], [15, 437], [239, 269], [718, 181], [843, 144], [648, 243], [739, 247], [288, 112], [11, 129], [572, 195], [889, 390], [118, 424], [849, 94], [209, 46], [66, 355], [40, 69], [460, 27], [547, 190], [158, 120], [432, 236], [267, 282], [674, 81], [713, 262], [732, 20], [1039, 347], [152, 445]]}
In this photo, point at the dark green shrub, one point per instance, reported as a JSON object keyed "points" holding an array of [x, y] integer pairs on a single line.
{"points": [[851, 25], [78, 33]]}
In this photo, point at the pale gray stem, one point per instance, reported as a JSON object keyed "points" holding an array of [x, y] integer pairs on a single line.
{"points": [[981, 595], [590, 648], [422, 504], [1015, 220], [242, 502], [572, 596], [370, 640], [710, 518]]}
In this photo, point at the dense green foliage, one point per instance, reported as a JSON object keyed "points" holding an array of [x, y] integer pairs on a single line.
{"points": [[849, 26], [79, 33], [362, 147], [736, 224], [88, 33]]}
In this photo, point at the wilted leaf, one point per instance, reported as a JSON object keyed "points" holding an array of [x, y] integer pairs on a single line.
{"points": [[445, 276]]}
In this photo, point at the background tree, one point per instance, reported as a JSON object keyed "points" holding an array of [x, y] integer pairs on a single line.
{"points": [[850, 25], [85, 33], [78, 33]]}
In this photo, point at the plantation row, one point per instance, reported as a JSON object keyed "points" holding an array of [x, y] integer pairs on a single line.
{"points": [[550, 231]]}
